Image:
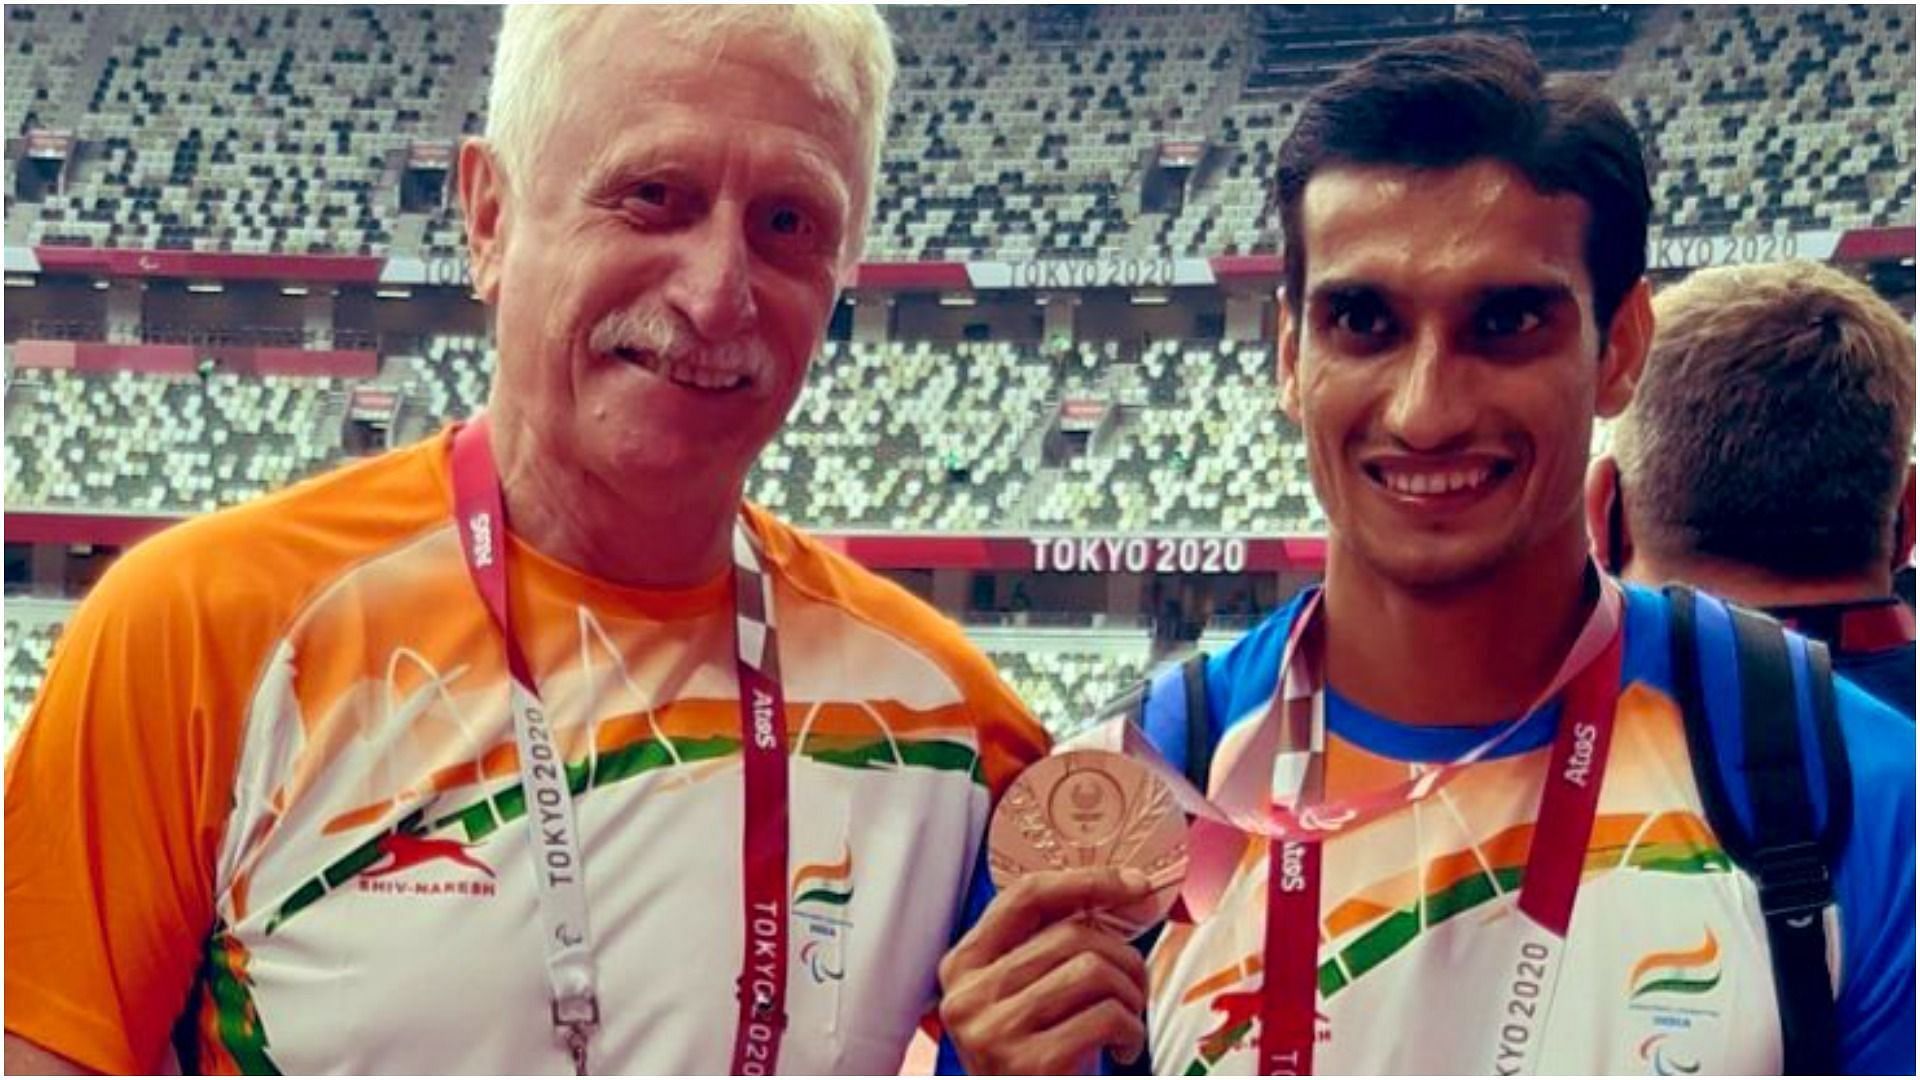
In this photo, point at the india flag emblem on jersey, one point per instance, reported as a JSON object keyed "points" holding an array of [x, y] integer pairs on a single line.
{"points": [[1688, 971], [822, 893]]}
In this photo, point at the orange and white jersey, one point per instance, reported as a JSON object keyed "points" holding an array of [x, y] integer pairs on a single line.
{"points": [[1666, 969], [271, 786]]}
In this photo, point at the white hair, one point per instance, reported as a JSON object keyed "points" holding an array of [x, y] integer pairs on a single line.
{"points": [[846, 49]]}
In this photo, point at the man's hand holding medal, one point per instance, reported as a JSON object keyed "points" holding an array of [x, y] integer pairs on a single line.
{"points": [[1088, 850]]}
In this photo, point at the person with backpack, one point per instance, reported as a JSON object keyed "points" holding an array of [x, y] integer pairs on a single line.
{"points": [[1765, 458], [1474, 806]]}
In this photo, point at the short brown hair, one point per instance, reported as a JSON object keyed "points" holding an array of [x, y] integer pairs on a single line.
{"points": [[1773, 421]]}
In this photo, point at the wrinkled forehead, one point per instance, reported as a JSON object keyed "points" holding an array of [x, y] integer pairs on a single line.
{"points": [[691, 50], [1431, 230]]}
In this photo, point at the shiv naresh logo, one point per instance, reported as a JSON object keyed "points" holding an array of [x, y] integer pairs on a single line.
{"points": [[398, 854], [1234, 993]]}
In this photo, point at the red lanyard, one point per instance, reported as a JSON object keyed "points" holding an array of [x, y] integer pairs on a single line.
{"points": [[1554, 861], [761, 989]]}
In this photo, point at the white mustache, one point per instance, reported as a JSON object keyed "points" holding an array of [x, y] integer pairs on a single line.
{"points": [[651, 328]]}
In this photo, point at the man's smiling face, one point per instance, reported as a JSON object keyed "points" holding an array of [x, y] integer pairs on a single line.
{"points": [[1445, 366]]}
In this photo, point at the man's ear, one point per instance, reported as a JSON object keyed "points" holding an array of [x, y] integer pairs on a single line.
{"points": [[1903, 531], [1607, 516], [1625, 354], [1287, 359], [483, 197]]}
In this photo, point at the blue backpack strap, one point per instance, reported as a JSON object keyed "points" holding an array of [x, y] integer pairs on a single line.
{"points": [[1173, 713], [1766, 818]]}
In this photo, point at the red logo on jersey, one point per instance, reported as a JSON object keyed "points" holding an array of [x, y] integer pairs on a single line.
{"points": [[407, 851], [1238, 1012]]}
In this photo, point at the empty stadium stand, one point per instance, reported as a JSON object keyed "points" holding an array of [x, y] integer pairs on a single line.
{"points": [[1065, 676], [249, 129], [1765, 118], [949, 436], [153, 443], [1015, 133], [31, 629]]}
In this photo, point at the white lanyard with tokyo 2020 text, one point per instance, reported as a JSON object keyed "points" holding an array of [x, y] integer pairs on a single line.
{"points": [[480, 515]]}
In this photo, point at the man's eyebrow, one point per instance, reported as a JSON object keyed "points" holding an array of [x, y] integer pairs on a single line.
{"points": [[815, 172], [1537, 294], [1343, 289], [805, 169], [608, 171]]}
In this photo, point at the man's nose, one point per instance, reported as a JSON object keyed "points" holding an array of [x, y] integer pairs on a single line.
{"points": [[713, 286], [1431, 404]]}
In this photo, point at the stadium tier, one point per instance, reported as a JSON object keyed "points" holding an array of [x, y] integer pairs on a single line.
{"points": [[138, 442], [1016, 132], [29, 643], [960, 436], [1065, 689]]}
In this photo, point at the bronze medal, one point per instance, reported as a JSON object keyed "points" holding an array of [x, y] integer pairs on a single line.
{"points": [[1092, 808]]}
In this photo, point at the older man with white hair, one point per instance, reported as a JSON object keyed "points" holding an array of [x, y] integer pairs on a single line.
{"points": [[533, 747]]}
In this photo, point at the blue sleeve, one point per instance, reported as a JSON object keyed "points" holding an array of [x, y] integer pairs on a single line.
{"points": [[980, 893], [1241, 679], [1874, 886]]}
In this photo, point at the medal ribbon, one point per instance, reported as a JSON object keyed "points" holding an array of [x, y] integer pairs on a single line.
{"points": [[1272, 786], [480, 518], [1569, 802]]}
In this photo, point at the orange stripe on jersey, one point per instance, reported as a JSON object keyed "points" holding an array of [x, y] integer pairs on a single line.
{"points": [[1613, 835], [1247, 966], [824, 870], [1353, 914], [1708, 951], [834, 726], [1504, 849]]}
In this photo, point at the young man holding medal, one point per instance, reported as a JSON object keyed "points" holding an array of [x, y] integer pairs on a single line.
{"points": [[1451, 821], [532, 748], [1766, 459]]}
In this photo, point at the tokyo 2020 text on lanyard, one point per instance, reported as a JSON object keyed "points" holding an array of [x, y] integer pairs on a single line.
{"points": [[1300, 820], [559, 868]]}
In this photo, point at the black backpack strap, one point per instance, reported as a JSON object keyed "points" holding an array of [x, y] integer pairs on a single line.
{"points": [[1170, 707], [1833, 752], [1787, 856], [1777, 842], [1199, 721]]}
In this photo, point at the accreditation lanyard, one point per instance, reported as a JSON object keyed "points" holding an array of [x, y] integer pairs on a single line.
{"points": [[1300, 822], [557, 862], [1868, 626]]}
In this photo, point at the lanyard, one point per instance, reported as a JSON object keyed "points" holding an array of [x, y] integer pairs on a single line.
{"points": [[1866, 626], [1270, 783], [1591, 674], [480, 515]]}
